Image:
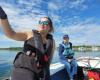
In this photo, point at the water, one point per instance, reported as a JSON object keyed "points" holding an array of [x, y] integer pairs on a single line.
{"points": [[7, 57], [6, 61]]}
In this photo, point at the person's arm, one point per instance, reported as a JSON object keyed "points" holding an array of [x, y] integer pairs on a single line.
{"points": [[61, 49], [9, 32], [72, 52], [70, 45]]}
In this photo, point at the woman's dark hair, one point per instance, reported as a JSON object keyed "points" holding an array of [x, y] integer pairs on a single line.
{"points": [[51, 24]]}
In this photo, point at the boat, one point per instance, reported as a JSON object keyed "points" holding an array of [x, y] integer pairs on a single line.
{"points": [[91, 67], [58, 72], [88, 69]]}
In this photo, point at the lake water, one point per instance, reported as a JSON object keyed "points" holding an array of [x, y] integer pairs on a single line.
{"points": [[7, 57]]}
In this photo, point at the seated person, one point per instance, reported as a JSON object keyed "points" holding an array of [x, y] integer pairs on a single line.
{"points": [[67, 57]]}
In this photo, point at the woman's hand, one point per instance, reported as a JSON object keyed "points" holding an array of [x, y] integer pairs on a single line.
{"points": [[3, 15]]}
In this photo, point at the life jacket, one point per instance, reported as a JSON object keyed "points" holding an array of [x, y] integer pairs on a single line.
{"points": [[42, 56], [94, 75], [68, 52]]}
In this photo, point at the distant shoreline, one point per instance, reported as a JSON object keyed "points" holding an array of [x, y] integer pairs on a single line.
{"points": [[75, 48], [12, 48]]}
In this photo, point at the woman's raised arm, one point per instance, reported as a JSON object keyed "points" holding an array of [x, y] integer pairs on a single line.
{"points": [[9, 32]]}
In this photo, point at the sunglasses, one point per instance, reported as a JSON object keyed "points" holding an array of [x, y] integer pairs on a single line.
{"points": [[44, 23], [65, 38]]}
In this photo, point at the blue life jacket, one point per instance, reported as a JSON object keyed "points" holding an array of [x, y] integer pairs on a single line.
{"points": [[65, 50]]}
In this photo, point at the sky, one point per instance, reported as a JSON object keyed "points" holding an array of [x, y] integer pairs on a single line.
{"points": [[80, 19]]}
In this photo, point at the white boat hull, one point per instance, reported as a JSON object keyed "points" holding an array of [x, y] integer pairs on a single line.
{"points": [[89, 62]]}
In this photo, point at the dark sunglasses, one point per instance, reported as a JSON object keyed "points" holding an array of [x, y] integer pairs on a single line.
{"points": [[65, 37], [44, 23]]}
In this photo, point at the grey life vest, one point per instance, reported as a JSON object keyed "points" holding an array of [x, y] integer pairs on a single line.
{"points": [[42, 55]]}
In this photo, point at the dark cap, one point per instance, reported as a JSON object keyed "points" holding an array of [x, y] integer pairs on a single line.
{"points": [[65, 36]]}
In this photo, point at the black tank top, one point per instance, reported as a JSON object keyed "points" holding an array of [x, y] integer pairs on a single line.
{"points": [[44, 45]]}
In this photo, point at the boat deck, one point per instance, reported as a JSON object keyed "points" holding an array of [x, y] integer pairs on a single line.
{"points": [[58, 72]]}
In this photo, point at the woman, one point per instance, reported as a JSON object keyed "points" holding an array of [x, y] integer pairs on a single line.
{"points": [[67, 57], [23, 69]]}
